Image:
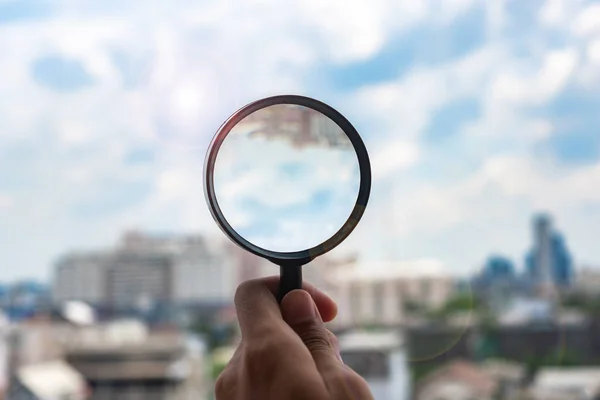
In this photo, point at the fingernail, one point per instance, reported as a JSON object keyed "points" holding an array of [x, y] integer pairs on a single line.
{"points": [[298, 307]]}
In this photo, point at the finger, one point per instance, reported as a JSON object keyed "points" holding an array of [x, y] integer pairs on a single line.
{"points": [[257, 310], [300, 312], [326, 306]]}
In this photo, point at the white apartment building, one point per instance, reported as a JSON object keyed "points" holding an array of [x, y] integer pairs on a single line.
{"points": [[206, 273], [587, 281], [566, 383], [81, 277], [143, 268], [378, 295], [380, 359], [201, 269]]}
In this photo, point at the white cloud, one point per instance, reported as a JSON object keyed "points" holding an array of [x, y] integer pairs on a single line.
{"points": [[538, 85], [559, 14], [394, 157], [5, 201], [406, 106], [198, 62], [588, 21], [359, 31], [593, 52]]}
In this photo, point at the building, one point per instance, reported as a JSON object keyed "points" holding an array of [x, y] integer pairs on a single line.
{"points": [[566, 383], [138, 280], [522, 311], [81, 276], [35, 341], [124, 360], [458, 380], [510, 377], [24, 299], [498, 282], [549, 263], [378, 357], [461, 380], [54, 380], [145, 271], [4, 352], [499, 268], [381, 294], [587, 281]]}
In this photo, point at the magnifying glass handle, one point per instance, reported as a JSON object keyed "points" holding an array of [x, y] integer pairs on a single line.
{"points": [[290, 278]]}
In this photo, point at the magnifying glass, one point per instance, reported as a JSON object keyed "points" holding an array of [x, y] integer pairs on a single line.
{"points": [[287, 178]]}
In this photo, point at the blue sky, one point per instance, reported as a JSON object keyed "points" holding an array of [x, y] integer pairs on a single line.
{"points": [[476, 114]]}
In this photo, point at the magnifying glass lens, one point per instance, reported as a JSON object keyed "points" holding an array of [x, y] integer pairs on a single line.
{"points": [[286, 178]]}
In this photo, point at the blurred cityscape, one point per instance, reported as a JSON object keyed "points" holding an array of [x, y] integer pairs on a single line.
{"points": [[152, 318]]}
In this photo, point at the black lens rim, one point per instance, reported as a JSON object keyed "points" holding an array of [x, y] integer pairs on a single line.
{"points": [[303, 256]]}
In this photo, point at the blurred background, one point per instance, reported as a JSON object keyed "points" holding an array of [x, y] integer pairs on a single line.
{"points": [[475, 272]]}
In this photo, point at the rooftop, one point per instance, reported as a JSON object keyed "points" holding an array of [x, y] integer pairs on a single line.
{"points": [[364, 340], [461, 371], [568, 379], [52, 380], [130, 370], [381, 271]]}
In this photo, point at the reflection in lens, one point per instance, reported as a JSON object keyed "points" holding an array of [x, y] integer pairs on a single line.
{"points": [[286, 178]]}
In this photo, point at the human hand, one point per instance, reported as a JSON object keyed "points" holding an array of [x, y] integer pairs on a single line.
{"points": [[286, 352]]}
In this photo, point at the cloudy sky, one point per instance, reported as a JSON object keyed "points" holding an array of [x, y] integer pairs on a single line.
{"points": [[281, 196], [475, 113]]}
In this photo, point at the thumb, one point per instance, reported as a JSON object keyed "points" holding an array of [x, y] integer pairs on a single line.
{"points": [[301, 314]]}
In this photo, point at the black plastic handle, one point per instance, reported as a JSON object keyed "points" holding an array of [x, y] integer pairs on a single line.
{"points": [[290, 278]]}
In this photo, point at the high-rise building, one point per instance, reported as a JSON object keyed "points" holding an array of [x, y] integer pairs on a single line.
{"points": [[497, 281], [542, 232], [562, 262], [549, 262], [498, 268]]}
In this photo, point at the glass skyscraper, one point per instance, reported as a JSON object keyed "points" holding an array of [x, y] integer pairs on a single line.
{"points": [[554, 262]]}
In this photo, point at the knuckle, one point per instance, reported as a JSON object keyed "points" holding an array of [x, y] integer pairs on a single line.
{"points": [[262, 357], [264, 350], [347, 384], [333, 339], [316, 339]]}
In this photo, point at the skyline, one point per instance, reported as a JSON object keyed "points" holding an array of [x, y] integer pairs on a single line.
{"points": [[475, 115]]}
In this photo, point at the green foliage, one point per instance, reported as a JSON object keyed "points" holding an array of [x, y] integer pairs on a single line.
{"points": [[460, 303], [413, 307], [575, 300], [420, 370], [586, 304], [371, 327]]}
